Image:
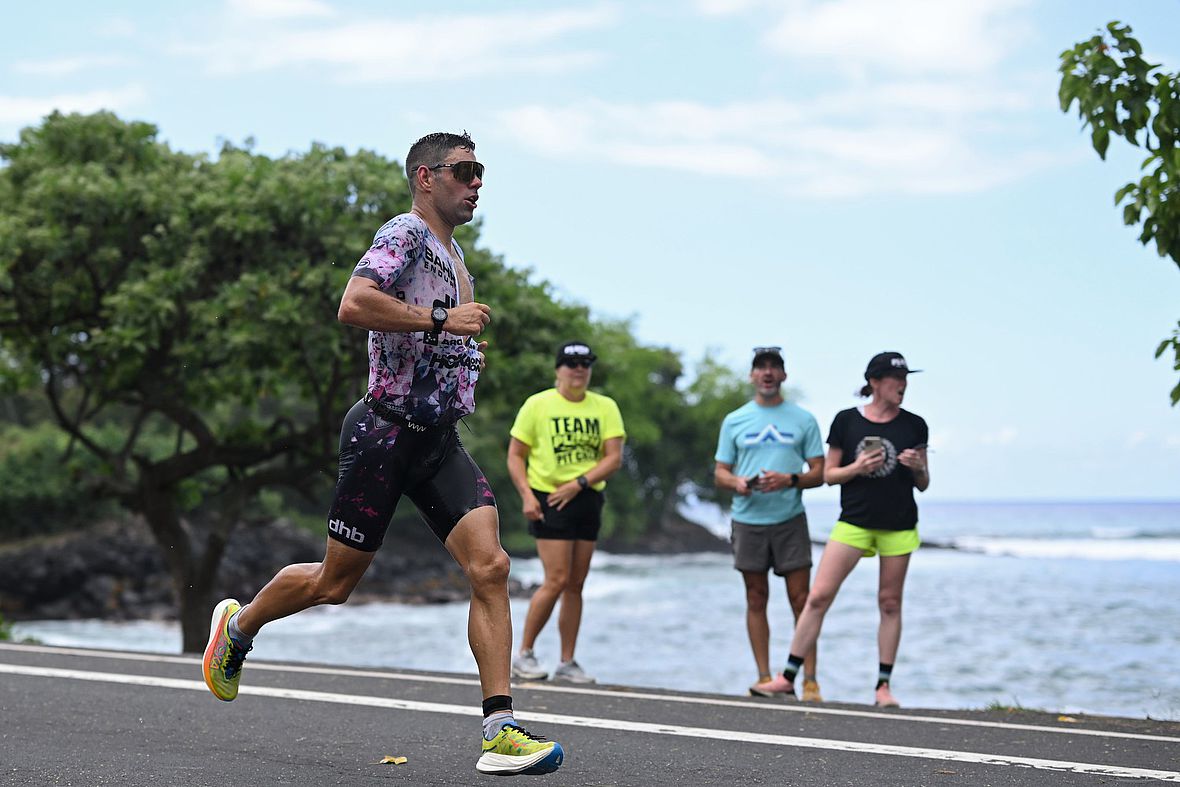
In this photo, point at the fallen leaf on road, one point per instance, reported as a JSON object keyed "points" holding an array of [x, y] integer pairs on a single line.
{"points": [[391, 760], [1067, 718]]}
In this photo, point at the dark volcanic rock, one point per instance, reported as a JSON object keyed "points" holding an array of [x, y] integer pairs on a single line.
{"points": [[676, 535], [116, 571]]}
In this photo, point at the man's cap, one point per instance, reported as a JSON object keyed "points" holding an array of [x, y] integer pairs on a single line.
{"points": [[886, 364], [575, 351], [768, 354]]}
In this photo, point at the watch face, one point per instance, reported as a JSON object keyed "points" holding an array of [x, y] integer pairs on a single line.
{"points": [[439, 314]]}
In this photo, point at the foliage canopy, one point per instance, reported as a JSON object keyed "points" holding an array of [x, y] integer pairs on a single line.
{"points": [[1118, 92]]}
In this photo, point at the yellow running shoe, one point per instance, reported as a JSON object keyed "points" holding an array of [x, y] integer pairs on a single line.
{"points": [[515, 750], [811, 691], [223, 656]]}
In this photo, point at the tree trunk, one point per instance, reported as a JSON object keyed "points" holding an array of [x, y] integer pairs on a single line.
{"points": [[192, 574]]}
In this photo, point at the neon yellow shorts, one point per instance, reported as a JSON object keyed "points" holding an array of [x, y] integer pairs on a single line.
{"points": [[890, 543]]}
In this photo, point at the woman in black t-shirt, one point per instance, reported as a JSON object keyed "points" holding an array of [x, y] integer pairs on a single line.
{"points": [[877, 454]]}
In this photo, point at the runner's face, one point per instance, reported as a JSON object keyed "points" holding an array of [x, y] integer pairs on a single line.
{"points": [[767, 378], [455, 200]]}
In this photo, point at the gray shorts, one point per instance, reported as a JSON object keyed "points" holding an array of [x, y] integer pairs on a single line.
{"points": [[784, 547]]}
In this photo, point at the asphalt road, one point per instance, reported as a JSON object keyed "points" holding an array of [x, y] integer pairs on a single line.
{"points": [[90, 717]]}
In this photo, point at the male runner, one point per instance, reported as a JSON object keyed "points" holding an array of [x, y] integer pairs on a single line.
{"points": [[413, 294]]}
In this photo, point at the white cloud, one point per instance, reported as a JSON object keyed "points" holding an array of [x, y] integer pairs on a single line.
{"points": [[66, 66], [387, 50], [850, 142], [899, 36], [19, 110]]}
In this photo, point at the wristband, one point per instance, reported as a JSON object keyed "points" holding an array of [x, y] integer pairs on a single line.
{"points": [[794, 480], [582, 482]]}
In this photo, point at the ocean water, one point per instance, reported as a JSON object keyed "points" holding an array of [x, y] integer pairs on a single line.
{"points": [[1065, 607]]}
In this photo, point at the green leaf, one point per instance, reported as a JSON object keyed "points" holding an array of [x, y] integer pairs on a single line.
{"points": [[1100, 139]]}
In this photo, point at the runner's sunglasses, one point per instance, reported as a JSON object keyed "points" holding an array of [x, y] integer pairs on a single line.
{"points": [[464, 171], [577, 363]]}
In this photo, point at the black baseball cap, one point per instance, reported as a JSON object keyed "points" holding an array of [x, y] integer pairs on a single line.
{"points": [[773, 353], [574, 351], [887, 364]]}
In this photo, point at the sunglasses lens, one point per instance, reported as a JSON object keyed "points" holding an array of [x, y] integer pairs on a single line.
{"points": [[467, 171]]}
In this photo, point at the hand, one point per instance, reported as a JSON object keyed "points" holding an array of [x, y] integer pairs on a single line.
{"points": [[742, 485], [560, 497], [914, 459], [870, 462], [483, 361], [468, 319], [532, 509], [773, 481]]}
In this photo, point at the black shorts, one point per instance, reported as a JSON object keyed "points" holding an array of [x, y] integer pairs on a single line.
{"points": [[380, 460], [580, 520]]}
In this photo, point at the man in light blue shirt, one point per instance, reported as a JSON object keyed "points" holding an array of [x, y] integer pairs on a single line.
{"points": [[769, 451]]}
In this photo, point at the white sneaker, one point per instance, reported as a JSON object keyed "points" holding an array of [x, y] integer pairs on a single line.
{"points": [[571, 671], [525, 667]]}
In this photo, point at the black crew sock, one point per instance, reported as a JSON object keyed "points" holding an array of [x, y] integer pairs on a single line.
{"points": [[497, 711], [794, 663], [884, 673]]}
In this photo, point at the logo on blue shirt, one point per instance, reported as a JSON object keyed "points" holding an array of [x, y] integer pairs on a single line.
{"points": [[769, 435]]}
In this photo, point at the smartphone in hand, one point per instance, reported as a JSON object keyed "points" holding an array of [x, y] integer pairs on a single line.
{"points": [[872, 443]]}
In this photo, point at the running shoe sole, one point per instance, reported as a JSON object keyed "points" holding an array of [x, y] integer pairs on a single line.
{"points": [[216, 626], [533, 765]]}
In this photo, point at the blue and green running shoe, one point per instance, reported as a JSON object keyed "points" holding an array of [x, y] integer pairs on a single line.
{"points": [[515, 750], [223, 656]]}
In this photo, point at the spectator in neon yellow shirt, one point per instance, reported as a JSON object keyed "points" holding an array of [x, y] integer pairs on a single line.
{"points": [[565, 443]]}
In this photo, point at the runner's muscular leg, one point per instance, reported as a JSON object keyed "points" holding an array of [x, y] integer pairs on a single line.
{"points": [[303, 585], [475, 544]]}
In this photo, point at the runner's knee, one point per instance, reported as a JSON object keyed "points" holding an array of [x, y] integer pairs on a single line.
{"points": [[489, 570]]}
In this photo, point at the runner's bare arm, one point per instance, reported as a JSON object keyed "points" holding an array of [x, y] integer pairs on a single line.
{"points": [[364, 305]]}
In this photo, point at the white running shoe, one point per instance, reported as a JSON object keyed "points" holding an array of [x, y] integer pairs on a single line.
{"points": [[525, 667], [572, 672]]}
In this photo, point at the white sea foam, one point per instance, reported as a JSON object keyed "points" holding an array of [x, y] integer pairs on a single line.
{"points": [[1161, 549]]}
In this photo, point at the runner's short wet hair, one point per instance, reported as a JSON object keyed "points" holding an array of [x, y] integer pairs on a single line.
{"points": [[432, 149]]}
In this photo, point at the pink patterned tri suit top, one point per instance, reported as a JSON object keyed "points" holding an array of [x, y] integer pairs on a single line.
{"points": [[404, 441], [429, 378]]}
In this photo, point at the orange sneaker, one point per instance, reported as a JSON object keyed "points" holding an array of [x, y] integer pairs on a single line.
{"points": [[885, 698], [811, 691]]}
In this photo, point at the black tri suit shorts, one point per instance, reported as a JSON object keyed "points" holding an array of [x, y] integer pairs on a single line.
{"points": [[382, 458]]}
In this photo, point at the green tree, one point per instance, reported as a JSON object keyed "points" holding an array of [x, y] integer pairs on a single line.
{"points": [[1118, 92], [178, 313]]}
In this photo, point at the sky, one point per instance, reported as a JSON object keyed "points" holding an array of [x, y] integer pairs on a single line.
{"points": [[838, 177]]}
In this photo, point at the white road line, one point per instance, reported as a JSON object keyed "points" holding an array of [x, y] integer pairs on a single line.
{"points": [[637, 695], [945, 755]]}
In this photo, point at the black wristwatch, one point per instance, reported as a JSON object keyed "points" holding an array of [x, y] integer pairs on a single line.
{"points": [[583, 482], [439, 315], [794, 480]]}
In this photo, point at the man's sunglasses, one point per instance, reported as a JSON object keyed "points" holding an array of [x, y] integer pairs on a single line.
{"points": [[464, 171], [763, 350], [577, 363]]}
